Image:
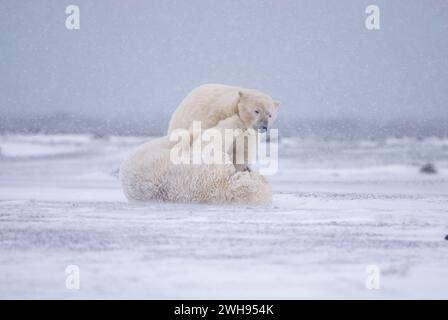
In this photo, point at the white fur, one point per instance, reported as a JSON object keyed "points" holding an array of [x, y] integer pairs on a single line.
{"points": [[211, 103], [149, 174]]}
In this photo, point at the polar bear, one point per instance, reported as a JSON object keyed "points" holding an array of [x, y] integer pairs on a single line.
{"points": [[150, 174], [211, 103]]}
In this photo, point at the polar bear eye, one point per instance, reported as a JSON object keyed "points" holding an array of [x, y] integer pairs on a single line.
{"points": [[257, 112], [270, 116]]}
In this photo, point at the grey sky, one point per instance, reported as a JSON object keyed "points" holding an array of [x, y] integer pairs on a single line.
{"points": [[140, 58]]}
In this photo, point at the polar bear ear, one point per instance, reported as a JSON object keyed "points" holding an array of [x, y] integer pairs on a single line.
{"points": [[241, 94]]}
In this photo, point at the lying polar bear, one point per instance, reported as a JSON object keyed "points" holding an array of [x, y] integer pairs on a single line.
{"points": [[150, 174]]}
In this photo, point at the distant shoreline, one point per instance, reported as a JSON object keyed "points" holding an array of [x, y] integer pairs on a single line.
{"points": [[319, 128]]}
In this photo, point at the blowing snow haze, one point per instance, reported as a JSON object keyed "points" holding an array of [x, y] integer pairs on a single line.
{"points": [[131, 62]]}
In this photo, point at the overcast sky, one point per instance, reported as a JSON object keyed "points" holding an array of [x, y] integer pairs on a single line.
{"points": [[140, 58]]}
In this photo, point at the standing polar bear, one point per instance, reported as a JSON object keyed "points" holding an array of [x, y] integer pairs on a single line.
{"points": [[150, 173], [211, 103]]}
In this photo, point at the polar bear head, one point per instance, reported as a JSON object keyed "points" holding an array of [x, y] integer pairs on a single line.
{"points": [[257, 110]]}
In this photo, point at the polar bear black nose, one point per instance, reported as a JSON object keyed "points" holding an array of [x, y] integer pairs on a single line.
{"points": [[263, 129]]}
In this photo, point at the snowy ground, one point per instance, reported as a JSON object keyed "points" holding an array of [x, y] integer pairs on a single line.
{"points": [[338, 207]]}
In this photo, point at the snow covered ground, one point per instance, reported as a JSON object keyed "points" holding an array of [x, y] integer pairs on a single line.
{"points": [[339, 206]]}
